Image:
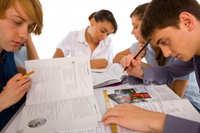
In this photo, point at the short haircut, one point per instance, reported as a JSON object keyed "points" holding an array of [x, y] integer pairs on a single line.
{"points": [[102, 15], [32, 7], [161, 14]]}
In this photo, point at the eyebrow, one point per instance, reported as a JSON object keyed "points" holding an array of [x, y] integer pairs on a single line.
{"points": [[19, 17], [23, 19], [157, 43]]}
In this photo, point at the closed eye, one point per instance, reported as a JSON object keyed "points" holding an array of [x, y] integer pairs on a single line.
{"points": [[102, 31], [17, 23], [164, 42]]}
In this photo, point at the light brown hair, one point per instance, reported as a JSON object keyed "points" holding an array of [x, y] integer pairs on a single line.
{"points": [[32, 7], [139, 13]]}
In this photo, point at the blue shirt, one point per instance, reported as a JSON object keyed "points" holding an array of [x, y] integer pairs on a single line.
{"points": [[21, 56], [7, 70], [166, 74], [192, 90]]}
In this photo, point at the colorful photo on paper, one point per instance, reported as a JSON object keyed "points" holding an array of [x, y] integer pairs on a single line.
{"points": [[128, 96]]}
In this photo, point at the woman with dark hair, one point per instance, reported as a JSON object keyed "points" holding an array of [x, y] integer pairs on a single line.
{"points": [[92, 41]]}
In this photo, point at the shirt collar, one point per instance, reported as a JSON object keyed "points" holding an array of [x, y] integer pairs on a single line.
{"points": [[3, 55], [81, 35], [196, 59]]}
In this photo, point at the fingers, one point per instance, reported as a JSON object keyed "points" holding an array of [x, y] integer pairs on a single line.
{"points": [[18, 85], [143, 53], [111, 120], [116, 114], [126, 60], [14, 79]]}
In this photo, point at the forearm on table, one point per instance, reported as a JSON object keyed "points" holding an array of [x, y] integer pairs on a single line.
{"points": [[118, 58]]}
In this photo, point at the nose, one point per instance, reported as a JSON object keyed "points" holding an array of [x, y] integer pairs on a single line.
{"points": [[166, 52], [133, 31], [23, 32]]}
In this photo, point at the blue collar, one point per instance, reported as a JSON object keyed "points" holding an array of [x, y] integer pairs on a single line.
{"points": [[3, 55]]}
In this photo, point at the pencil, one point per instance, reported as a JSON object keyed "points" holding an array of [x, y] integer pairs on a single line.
{"points": [[23, 77], [139, 52]]}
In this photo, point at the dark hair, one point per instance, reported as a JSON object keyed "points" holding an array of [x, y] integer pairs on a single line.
{"points": [[163, 13], [139, 11], [102, 15]]}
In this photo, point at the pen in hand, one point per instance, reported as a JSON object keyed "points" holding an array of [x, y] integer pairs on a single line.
{"points": [[23, 77], [139, 52]]}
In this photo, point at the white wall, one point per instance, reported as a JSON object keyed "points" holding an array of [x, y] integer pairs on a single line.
{"points": [[63, 16]]}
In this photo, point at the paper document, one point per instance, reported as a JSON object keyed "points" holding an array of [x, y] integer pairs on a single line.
{"points": [[112, 76], [154, 98], [102, 69], [61, 96]]}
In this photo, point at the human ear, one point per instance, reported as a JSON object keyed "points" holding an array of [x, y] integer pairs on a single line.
{"points": [[92, 21], [187, 20]]}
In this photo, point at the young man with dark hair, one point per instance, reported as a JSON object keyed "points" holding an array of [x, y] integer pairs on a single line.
{"points": [[174, 25]]}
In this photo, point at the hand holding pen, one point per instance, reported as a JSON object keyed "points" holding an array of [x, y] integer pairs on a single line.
{"points": [[14, 91], [138, 53]]}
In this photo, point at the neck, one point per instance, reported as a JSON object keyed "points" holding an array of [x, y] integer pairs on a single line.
{"points": [[88, 37]]}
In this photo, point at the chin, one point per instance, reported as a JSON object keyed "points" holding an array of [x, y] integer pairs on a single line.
{"points": [[14, 49], [185, 59], [140, 42]]}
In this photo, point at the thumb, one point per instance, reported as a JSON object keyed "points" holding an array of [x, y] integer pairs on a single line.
{"points": [[17, 76]]}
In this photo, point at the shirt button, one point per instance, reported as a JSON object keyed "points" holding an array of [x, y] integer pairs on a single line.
{"points": [[145, 80], [13, 107]]}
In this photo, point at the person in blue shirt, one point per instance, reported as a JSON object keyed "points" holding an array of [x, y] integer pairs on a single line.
{"points": [[186, 86], [17, 20], [26, 51], [174, 26]]}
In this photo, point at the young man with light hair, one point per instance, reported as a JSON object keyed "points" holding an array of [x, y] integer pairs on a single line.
{"points": [[18, 19]]}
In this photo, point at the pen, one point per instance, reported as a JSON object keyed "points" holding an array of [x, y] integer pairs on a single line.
{"points": [[139, 52], [23, 77]]}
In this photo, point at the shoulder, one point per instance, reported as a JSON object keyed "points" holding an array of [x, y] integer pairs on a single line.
{"points": [[134, 47], [73, 33], [76, 34]]}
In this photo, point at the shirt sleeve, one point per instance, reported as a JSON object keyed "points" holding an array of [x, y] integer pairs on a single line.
{"points": [[178, 125], [165, 74], [65, 44], [133, 48], [186, 77]]}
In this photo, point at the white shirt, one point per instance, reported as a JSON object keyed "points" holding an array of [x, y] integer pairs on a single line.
{"points": [[75, 44]]}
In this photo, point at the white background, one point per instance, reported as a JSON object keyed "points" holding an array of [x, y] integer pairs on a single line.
{"points": [[63, 16]]}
